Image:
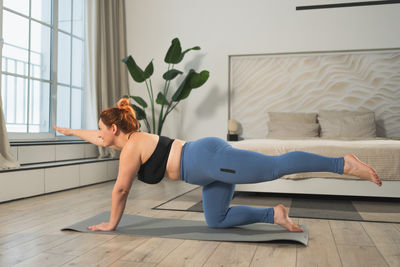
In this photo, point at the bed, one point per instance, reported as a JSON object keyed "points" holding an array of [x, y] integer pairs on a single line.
{"points": [[331, 103]]}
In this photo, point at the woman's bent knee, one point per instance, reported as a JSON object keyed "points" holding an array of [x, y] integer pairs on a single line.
{"points": [[215, 222]]}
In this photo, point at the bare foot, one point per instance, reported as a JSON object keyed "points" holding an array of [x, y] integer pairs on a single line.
{"points": [[354, 166], [281, 217]]}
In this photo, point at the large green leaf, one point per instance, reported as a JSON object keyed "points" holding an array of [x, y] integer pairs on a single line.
{"points": [[140, 113], [161, 99], [171, 74], [149, 70], [136, 72], [140, 101], [174, 52], [184, 89], [192, 80], [187, 50], [198, 79]]}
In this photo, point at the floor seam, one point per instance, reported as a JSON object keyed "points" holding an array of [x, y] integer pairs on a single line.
{"points": [[334, 240]]}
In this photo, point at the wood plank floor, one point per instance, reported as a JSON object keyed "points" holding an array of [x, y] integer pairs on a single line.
{"points": [[30, 236]]}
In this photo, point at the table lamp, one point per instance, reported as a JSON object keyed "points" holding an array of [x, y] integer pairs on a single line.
{"points": [[232, 130]]}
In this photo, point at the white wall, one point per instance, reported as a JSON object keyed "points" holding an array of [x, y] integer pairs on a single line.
{"points": [[228, 27]]}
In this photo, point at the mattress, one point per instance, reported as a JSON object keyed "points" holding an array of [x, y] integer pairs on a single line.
{"points": [[382, 154]]}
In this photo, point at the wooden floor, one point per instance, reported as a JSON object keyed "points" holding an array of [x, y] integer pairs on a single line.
{"points": [[30, 236]]}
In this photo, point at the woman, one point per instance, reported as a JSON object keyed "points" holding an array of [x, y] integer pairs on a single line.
{"points": [[209, 162]]}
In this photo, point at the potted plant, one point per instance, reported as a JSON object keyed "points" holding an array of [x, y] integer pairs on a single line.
{"points": [[191, 80]]}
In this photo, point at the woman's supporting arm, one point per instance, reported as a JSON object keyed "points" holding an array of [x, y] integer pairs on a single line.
{"points": [[118, 203], [129, 164]]}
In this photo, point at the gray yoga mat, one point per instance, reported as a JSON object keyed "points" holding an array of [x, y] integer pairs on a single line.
{"points": [[195, 230]]}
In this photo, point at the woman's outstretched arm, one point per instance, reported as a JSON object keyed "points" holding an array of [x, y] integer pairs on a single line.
{"points": [[92, 136]]}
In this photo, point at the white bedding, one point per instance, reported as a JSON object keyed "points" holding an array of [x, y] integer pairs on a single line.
{"points": [[382, 154]]}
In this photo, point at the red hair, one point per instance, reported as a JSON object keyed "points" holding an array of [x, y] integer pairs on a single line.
{"points": [[123, 116]]}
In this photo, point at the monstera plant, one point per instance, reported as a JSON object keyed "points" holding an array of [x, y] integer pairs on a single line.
{"points": [[191, 80]]}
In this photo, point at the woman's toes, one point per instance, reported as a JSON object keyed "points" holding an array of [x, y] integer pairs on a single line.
{"points": [[296, 228]]}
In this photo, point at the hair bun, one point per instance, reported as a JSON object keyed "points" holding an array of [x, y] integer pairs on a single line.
{"points": [[123, 102]]}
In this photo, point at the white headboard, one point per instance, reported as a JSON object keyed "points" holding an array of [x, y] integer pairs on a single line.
{"points": [[308, 82]]}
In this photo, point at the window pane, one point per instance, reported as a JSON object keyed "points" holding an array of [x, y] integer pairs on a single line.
{"points": [[78, 9], [64, 58], [39, 106], [77, 62], [15, 60], [41, 10], [14, 96], [21, 6], [15, 50], [63, 106], [64, 15], [76, 109], [40, 51]]}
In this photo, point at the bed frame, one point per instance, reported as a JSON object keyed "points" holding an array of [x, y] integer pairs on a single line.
{"points": [[326, 186], [308, 82]]}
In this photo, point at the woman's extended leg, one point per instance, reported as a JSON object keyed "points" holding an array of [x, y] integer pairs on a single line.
{"points": [[224, 163], [242, 166], [210, 159]]}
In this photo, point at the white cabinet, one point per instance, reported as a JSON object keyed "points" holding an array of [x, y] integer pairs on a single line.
{"points": [[51, 167], [93, 173], [61, 178], [20, 184]]}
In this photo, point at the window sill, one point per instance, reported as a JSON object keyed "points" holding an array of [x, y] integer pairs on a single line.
{"points": [[47, 142]]}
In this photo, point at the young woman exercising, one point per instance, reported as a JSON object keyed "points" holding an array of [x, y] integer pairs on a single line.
{"points": [[209, 162]]}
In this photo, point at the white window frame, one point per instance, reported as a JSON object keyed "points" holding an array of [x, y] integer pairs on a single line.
{"points": [[51, 135]]}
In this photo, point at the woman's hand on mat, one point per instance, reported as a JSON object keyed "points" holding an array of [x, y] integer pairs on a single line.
{"points": [[64, 131], [104, 226]]}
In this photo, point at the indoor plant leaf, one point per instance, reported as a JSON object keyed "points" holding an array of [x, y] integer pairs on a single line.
{"points": [[140, 113], [161, 99], [187, 50], [184, 89], [171, 74], [174, 52], [136, 72], [198, 79], [140, 101], [149, 70]]}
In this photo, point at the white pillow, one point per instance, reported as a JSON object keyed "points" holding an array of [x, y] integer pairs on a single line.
{"points": [[328, 113], [344, 124], [292, 117], [292, 129]]}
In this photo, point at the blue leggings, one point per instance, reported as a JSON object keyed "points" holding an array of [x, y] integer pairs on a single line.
{"points": [[217, 166]]}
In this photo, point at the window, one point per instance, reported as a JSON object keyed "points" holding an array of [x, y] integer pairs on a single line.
{"points": [[42, 66]]}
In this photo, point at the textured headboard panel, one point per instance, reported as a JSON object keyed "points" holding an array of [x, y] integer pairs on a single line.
{"points": [[308, 82]]}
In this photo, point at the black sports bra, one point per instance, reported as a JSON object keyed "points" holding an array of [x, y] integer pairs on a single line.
{"points": [[153, 170]]}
